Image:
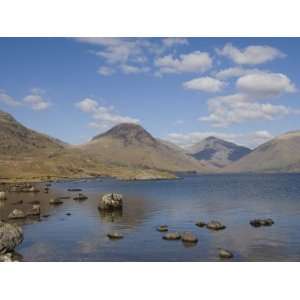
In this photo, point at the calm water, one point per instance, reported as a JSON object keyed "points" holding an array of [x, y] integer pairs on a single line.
{"points": [[231, 199]]}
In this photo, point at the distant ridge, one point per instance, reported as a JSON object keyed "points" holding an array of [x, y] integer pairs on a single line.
{"points": [[217, 152], [281, 154]]}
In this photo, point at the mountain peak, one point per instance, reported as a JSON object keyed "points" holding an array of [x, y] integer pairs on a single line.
{"points": [[128, 133]]}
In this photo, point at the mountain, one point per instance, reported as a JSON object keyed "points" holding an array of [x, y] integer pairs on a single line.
{"points": [[131, 145], [281, 154], [17, 140], [217, 151]]}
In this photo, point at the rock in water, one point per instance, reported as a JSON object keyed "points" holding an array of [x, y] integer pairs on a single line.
{"points": [[115, 235], [111, 201], [2, 196], [261, 222], [55, 201], [162, 228], [225, 254], [189, 237], [10, 257], [201, 224], [171, 236], [11, 236], [35, 210], [16, 214], [215, 225], [80, 197]]}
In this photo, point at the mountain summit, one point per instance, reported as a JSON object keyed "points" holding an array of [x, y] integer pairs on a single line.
{"points": [[129, 133], [217, 151]]}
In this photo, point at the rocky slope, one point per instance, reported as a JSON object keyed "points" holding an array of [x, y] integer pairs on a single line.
{"points": [[278, 155], [217, 152]]}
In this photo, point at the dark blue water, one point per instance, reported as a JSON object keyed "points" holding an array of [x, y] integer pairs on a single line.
{"points": [[231, 199]]}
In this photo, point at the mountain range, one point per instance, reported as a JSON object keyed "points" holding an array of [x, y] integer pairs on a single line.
{"points": [[127, 151]]}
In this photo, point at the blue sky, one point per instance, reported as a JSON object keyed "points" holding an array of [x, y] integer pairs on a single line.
{"points": [[182, 89]]}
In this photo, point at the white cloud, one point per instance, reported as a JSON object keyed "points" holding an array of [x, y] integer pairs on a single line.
{"points": [[35, 100], [251, 55], [265, 84], [129, 69], [106, 71], [251, 139], [235, 72], [237, 108], [174, 41], [103, 117], [192, 62], [7, 99], [205, 84]]}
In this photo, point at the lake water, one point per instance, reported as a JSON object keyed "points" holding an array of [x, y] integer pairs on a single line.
{"points": [[232, 199]]}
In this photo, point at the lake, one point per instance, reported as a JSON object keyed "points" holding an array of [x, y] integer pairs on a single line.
{"points": [[231, 199]]}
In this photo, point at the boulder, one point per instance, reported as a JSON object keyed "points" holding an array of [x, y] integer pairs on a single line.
{"points": [[55, 201], [80, 197], [11, 236], [10, 257], [35, 210], [2, 196], [201, 224], [162, 228], [111, 201], [188, 237], [171, 236], [215, 225], [261, 222], [223, 253], [16, 214], [114, 235]]}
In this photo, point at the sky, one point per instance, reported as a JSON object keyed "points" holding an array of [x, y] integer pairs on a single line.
{"points": [[244, 90]]}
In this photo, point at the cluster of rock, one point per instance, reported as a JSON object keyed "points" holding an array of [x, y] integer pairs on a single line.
{"points": [[11, 236], [23, 188], [213, 225], [20, 214]]}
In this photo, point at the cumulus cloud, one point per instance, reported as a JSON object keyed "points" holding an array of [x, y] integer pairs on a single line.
{"points": [[7, 99], [251, 55], [35, 100], [204, 84], [196, 61], [128, 69], [265, 84], [238, 108], [174, 41], [235, 72], [103, 117], [251, 139], [106, 71]]}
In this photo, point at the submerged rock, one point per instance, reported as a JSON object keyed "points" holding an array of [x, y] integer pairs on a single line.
{"points": [[172, 236], [80, 197], [215, 225], [16, 214], [111, 201], [189, 237], [11, 236], [261, 222], [223, 253], [115, 235], [201, 224], [162, 228], [74, 190], [2, 196], [55, 201]]}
